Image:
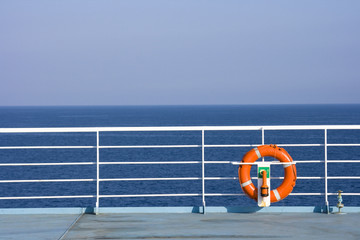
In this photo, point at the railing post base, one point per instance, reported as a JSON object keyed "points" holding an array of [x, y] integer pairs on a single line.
{"points": [[202, 209], [327, 208]]}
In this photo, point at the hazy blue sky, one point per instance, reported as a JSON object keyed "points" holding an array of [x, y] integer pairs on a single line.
{"points": [[76, 52]]}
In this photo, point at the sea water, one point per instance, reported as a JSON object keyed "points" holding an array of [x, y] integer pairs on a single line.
{"points": [[139, 116]]}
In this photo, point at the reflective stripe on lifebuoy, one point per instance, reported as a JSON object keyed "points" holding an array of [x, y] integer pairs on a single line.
{"points": [[280, 154]]}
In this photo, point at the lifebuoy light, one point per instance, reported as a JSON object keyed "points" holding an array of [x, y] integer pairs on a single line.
{"points": [[278, 153]]}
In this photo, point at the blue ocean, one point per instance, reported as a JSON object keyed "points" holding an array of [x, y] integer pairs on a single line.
{"points": [[139, 116]]}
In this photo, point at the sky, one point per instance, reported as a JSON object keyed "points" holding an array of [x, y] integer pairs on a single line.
{"points": [[179, 52]]}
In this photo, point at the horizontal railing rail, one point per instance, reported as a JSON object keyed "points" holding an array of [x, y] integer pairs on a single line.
{"points": [[203, 161]]}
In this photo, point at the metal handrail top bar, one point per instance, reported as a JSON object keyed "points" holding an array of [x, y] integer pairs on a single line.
{"points": [[178, 128]]}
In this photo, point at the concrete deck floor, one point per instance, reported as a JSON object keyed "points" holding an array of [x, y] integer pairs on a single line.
{"points": [[182, 226]]}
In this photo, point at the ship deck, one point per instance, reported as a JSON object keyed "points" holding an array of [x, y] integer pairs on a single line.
{"points": [[220, 225]]}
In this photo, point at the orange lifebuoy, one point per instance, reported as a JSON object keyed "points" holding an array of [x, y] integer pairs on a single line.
{"points": [[280, 154]]}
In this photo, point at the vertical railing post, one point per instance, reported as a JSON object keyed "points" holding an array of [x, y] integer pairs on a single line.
{"points": [[326, 173], [97, 173], [263, 139], [203, 168]]}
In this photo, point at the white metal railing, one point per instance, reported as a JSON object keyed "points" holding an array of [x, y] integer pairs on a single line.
{"points": [[203, 162]]}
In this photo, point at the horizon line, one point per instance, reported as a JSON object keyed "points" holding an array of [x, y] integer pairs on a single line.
{"points": [[178, 105]]}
